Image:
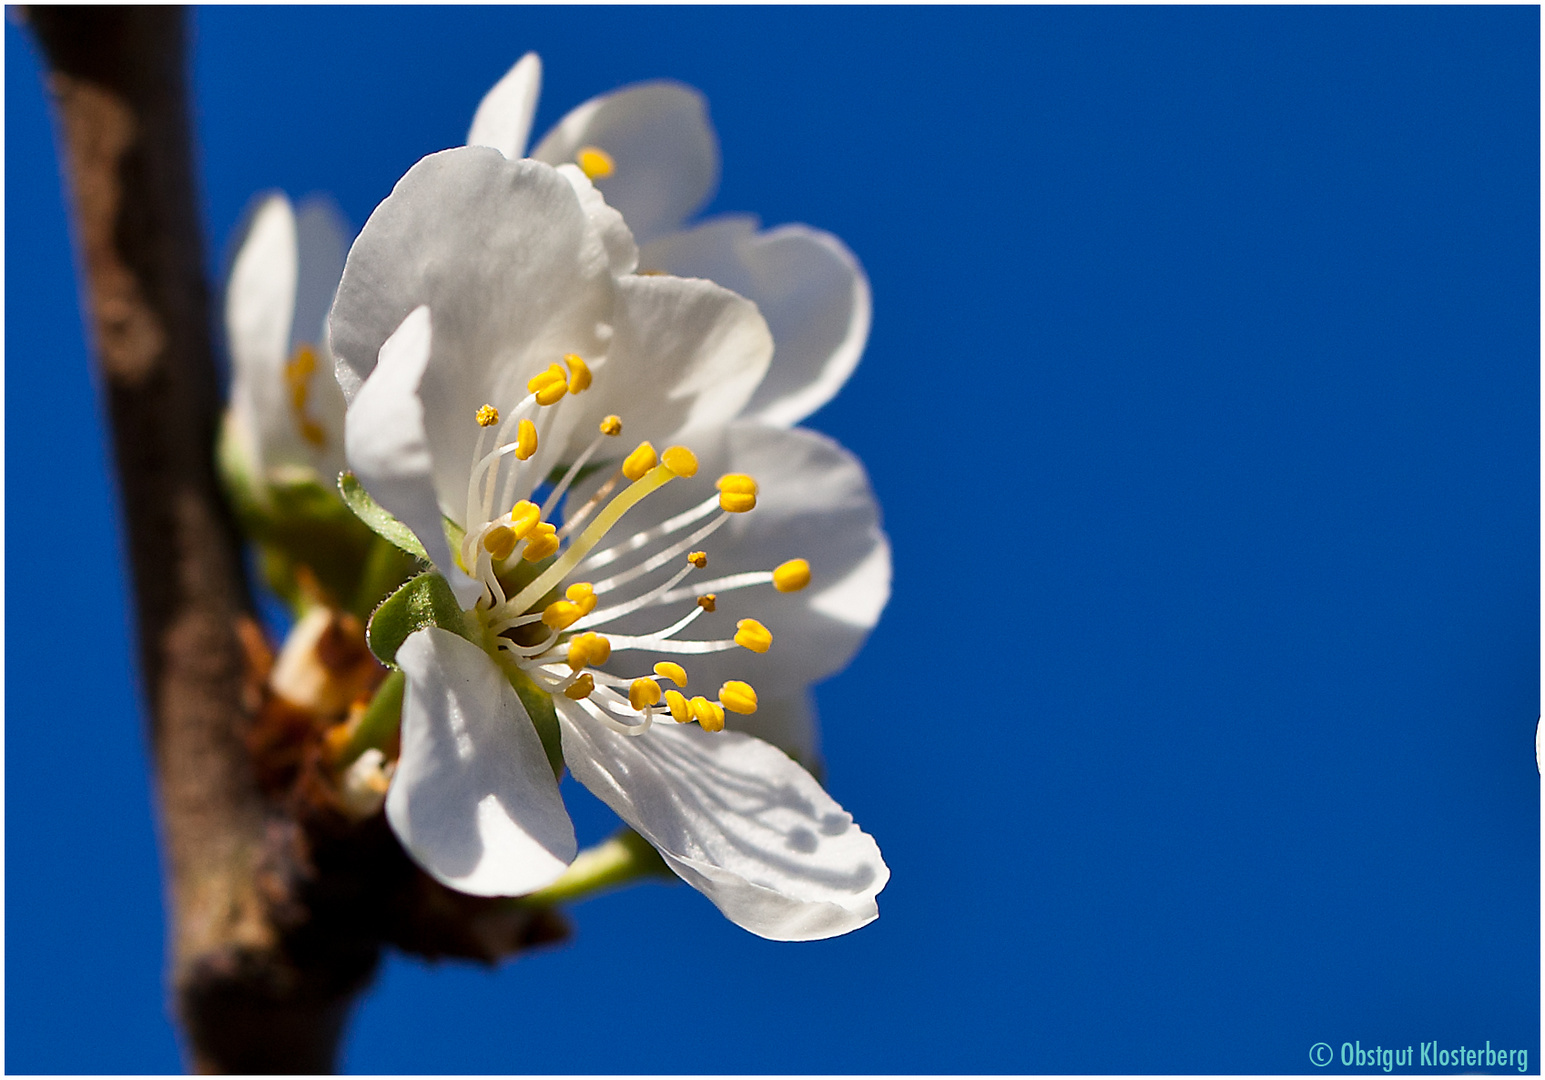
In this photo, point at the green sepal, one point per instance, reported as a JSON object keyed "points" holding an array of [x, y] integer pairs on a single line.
{"points": [[386, 568], [377, 517], [423, 601], [544, 717]]}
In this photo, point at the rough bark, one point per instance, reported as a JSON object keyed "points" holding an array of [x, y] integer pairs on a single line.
{"points": [[279, 906]]}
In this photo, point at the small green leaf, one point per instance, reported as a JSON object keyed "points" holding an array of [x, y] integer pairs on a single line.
{"points": [[383, 570], [378, 517], [424, 601]]}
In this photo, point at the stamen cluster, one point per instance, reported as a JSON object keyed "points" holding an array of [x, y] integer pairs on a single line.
{"points": [[522, 558]]}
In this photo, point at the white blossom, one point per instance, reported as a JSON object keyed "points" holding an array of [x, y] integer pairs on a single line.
{"points": [[651, 152], [286, 408], [492, 335]]}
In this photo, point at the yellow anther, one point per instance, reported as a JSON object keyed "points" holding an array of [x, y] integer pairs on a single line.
{"points": [[738, 697], [709, 716], [707, 601], [562, 614], [792, 576], [643, 693], [524, 517], [542, 542], [499, 542], [579, 373], [674, 672], [737, 492], [588, 650], [698, 559], [595, 162], [487, 416], [639, 462], [752, 635], [549, 386], [525, 440], [612, 425], [677, 704], [581, 687], [680, 460]]}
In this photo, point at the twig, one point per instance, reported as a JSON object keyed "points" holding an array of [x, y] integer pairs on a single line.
{"points": [[279, 905]]}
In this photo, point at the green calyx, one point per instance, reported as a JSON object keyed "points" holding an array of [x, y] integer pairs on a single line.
{"points": [[425, 600], [377, 518]]}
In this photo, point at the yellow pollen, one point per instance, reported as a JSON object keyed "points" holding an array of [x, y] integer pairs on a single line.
{"points": [[588, 650], [709, 716], [550, 386], [562, 614], [738, 697], [639, 462], [677, 704], [542, 542], [698, 559], [752, 635], [674, 672], [737, 492], [487, 416], [679, 460], [297, 377], [499, 542], [581, 688], [579, 373], [643, 693], [708, 601], [524, 517], [612, 425], [525, 440], [792, 576], [595, 162]]}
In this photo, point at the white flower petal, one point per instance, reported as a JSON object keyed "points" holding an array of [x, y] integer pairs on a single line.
{"points": [[259, 309], [814, 503], [516, 275], [787, 722], [686, 357], [322, 239], [608, 223], [389, 451], [738, 820], [503, 118], [809, 288], [473, 799], [664, 151], [322, 245]]}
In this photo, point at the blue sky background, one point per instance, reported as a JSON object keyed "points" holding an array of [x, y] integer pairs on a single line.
{"points": [[1202, 401]]}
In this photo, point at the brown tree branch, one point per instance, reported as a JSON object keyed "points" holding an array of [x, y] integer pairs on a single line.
{"points": [[279, 906]]}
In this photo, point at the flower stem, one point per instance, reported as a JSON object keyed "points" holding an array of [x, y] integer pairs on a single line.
{"points": [[621, 860]]}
